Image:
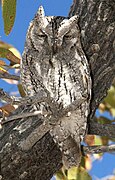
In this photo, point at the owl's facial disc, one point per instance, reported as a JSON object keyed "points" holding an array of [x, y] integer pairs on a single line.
{"points": [[56, 34]]}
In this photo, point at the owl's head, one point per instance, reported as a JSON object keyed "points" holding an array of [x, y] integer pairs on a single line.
{"points": [[57, 31]]}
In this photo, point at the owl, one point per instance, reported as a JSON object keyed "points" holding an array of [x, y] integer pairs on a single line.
{"points": [[53, 61]]}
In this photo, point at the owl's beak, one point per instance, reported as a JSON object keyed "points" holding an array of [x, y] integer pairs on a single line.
{"points": [[53, 45], [54, 48]]}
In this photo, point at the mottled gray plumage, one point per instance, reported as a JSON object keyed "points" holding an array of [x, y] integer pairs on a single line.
{"points": [[53, 60]]}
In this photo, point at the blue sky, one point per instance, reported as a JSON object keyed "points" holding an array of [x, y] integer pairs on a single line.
{"points": [[26, 10]]}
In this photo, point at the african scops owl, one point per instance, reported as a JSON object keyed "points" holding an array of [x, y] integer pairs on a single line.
{"points": [[53, 58]]}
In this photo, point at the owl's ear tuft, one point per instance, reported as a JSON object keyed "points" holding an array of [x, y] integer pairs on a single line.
{"points": [[41, 19], [41, 12]]}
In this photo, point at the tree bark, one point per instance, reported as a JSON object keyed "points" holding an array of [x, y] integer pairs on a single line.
{"points": [[97, 24]]}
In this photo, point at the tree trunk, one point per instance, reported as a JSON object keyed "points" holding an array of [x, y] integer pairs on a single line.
{"points": [[97, 24]]}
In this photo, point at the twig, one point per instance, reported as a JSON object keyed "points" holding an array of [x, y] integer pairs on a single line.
{"points": [[98, 149], [22, 101], [28, 100], [15, 66], [4, 96], [20, 116], [9, 76]]}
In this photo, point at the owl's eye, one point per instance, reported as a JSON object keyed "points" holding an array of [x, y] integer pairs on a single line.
{"points": [[68, 36], [41, 34]]}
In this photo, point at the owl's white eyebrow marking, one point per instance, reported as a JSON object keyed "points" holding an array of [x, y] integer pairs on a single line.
{"points": [[67, 25]]}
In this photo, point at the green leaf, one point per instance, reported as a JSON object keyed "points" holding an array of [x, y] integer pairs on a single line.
{"points": [[8, 13], [98, 140], [112, 111], [104, 120], [61, 174], [110, 99], [78, 173]]}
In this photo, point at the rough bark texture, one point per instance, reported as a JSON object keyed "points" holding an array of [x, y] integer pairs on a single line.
{"points": [[97, 23], [97, 26]]}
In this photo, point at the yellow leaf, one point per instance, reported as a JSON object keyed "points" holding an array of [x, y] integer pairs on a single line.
{"points": [[112, 178], [78, 173], [102, 107], [15, 52], [8, 13], [88, 162], [112, 111], [9, 52], [7, 109], [98, 140], [21, 90], [2, 63], [2, 70], [104, 140], [89, 139], [60, 176]]}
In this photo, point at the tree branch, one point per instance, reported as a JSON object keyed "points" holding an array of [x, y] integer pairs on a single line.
{"points": [[23, 101], [4, 96], [98, 149], [9, 76], [102, 129], [19, 116]]}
